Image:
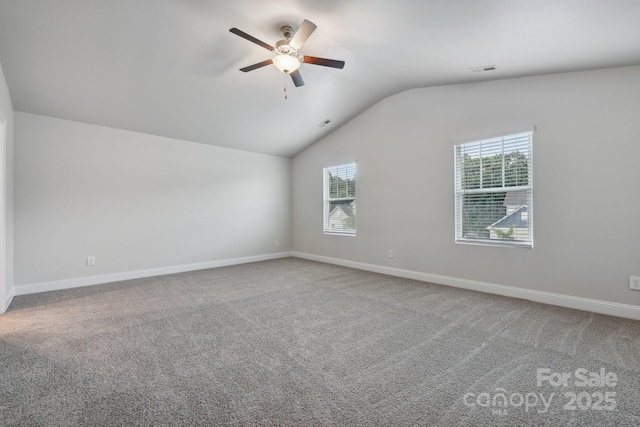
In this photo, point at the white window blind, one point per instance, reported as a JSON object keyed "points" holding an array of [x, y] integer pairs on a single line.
{"points": [[494, 191], [340, 199]]}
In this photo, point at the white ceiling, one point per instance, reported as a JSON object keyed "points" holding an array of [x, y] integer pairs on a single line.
{"points": [[170, 67]]}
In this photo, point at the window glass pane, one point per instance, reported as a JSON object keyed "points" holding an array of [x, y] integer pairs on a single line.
{"points": [[342, 216], [496, 216], [340, 199], [494, 190], [342, 181]]}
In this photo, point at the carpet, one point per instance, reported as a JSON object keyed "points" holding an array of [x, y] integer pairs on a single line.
{"points": [[300, 343]]}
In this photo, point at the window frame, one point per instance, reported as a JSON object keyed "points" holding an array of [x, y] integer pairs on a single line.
{"points": [[327, 199], [460, 193]]}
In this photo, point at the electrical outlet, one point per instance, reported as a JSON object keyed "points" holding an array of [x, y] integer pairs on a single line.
{"points": [[634, 283], [390, 253], [276, 243], [91, 261]]}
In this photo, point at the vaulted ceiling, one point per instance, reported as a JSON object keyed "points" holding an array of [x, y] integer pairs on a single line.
{"points": [[171, 67]]}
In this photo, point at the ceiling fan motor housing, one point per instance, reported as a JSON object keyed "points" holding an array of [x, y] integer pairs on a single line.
{"points": [[284, 48]]}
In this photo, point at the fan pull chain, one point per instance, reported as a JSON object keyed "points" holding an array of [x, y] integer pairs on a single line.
{"points": [[286, 96]]}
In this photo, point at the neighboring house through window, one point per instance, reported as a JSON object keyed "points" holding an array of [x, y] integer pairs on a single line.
{"points": [[340, 199], [494, 191]]}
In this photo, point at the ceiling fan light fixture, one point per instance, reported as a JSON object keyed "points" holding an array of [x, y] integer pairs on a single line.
{"points": [[286, 63], [288, 58]]}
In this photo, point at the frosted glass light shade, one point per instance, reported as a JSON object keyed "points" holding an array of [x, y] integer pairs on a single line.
{"points": [[286, 63]]}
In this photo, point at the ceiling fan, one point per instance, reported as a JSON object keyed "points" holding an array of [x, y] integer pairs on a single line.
{"points": [[288, 57]]}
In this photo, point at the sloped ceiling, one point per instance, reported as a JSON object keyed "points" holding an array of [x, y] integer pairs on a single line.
{"points": [[170, 67]]}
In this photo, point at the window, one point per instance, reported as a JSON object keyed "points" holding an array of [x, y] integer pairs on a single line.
{"points": [[494, 191], [340, 199]]}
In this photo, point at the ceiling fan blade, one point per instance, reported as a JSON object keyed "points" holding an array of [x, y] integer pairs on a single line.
{"points": [[251, 38], [297, 78], [256, 66], [303, 33], [333, 63]]}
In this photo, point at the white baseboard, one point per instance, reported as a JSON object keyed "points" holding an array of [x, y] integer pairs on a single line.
{"points": [[56, 285], [578, 303], [7, 300]]}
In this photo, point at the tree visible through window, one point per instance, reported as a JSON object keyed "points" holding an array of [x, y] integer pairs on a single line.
{"points": [[340, 199], [494, 191]]}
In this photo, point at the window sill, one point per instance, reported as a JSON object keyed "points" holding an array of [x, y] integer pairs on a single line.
{"points": [[502, 244], [337, 233]]}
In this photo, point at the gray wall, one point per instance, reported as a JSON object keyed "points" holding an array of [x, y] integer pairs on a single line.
{"points": [[138, 201], [586, 182], [6, 193]]}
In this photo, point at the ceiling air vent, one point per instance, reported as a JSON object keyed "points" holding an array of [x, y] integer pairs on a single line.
{"points": [[324, 123], [484, 68]]}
